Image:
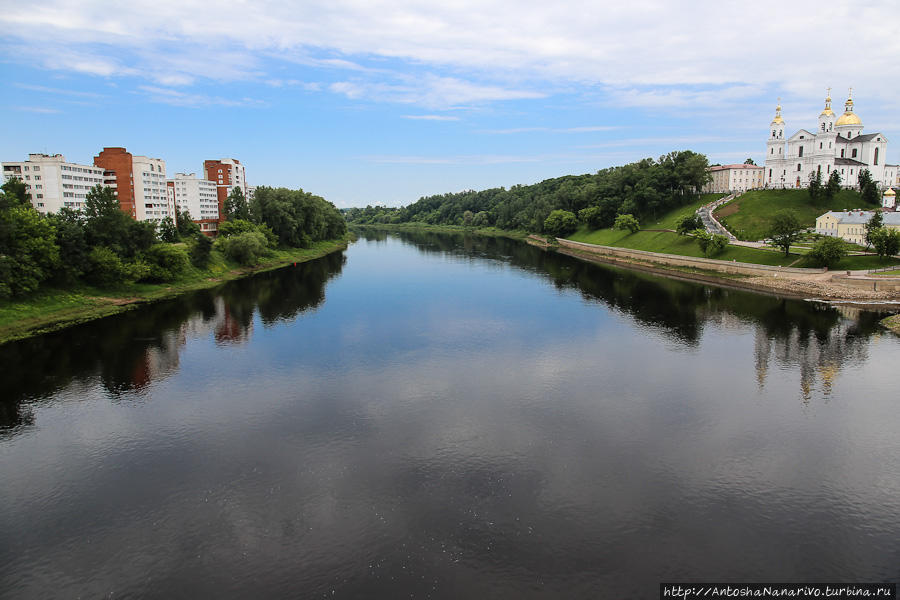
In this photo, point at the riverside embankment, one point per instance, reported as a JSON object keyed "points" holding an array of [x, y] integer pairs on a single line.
{"points": [[54, 309]]}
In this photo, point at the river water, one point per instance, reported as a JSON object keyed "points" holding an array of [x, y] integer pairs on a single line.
{"points": [[435, 416]]}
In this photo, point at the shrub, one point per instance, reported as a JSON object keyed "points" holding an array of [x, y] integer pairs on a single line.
{"points": [[886, 241], [560, 223], [627, 222], [106, 268], [235, 227], [244, 248], [165, 262], [827, 252], [710, 244], [688, 223]]}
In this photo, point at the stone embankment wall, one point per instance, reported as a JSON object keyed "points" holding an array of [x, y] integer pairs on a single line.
{"points": [[880, 284], [709, 264]]}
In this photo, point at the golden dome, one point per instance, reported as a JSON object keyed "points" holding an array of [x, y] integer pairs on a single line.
{"points": [[827, 112], [848, 118], [778, 120], [889, 192]]}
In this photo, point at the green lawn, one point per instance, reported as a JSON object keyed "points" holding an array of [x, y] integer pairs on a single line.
{"points": [[749, 216], [670, 219]]}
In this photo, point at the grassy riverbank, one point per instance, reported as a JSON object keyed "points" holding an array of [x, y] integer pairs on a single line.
{"points": [[892, 323], [54, 308]]}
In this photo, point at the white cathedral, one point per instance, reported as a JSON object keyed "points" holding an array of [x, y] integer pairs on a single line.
{"points": [[837, 144]]}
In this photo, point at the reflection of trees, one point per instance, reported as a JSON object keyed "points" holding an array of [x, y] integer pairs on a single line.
{"points": [[811, 336], [128, 351]]}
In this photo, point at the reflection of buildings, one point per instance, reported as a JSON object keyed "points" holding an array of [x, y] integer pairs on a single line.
{"points": [[817, 355]]}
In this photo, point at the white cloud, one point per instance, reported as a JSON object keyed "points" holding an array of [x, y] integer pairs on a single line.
{"points": [[512, 50], [179, 98], [60, 91], [586, 129], [37, 109], [431, 117]]}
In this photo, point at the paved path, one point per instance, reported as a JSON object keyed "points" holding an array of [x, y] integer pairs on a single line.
{"points": [[712, 225]]}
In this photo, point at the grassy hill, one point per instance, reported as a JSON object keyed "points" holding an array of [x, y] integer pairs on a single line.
{"points": [[672, 243], [749, 216]]}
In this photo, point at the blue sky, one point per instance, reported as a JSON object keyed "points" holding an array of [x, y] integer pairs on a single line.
{"points": [[379, 102]]}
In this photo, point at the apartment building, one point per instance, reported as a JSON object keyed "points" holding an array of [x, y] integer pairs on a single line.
{"points": [[734, 178], [51, 183], [139, 183], [197, 196], [227, 174]]}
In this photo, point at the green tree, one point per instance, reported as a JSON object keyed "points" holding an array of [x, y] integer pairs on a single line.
{"points": [[168, 232], [28, 250], [201, 250], [785, 230], [246, 248], [868, 189], [107, 225], [560, 223], [236, 205], [165, 262], [481, 219], [688, 223], [73, 247], [886, 242], [833, 186], [749, 161], [468, 217], [106, 268], [816, 193], [627, 222], [235, 227], [14, 194], [710, 244], [185, 225], [872, 225], [827, 252]]}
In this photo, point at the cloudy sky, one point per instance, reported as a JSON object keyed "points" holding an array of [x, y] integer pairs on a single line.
{"points": [[375, 101]]}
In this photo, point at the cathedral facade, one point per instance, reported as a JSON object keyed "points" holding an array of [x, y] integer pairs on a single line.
{"points": [[837, 144]]}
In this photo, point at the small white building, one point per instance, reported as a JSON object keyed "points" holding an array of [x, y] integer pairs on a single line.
{"points": [[52, 183], [889, 199], [734, 178]]}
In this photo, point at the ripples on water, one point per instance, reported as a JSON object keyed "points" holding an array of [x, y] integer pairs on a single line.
{"points": [[449, 417]]}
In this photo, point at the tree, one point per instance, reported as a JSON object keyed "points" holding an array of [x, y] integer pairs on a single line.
{"points": [[73, 247], [872, 225], [833, 186], [710, 244], [185, 225], [886, 242], [28, 250], [867, 188], [168, 231], [688, 223], [236, 205], [627, 222], [560, 223], [468, 216], [481, 219], [749, 161], [816, 193], [827, 252], [165, 262], [785, 230], [14, 194], [200, 250], [245, 248]]}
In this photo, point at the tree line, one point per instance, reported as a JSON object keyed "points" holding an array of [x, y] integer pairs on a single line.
{"points": [[103, 246], [642, 189]]}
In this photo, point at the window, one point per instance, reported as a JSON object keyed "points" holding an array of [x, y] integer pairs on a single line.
{"points": [[853, 155], [772, 151], [875, 162], [801, 152], [820, 145], [799, 166], [842, 152], [36, 168]]}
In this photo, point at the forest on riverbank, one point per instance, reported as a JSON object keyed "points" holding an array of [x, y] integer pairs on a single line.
{"points": [[643, 189]]}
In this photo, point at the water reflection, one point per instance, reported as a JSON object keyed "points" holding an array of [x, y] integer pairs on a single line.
{"points": [[127, 352]]}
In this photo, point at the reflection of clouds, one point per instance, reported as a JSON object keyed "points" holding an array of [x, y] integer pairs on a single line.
{"points": [[561, 451]]}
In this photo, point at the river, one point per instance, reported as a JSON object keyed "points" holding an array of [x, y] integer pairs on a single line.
{"points": [[440, 416]]}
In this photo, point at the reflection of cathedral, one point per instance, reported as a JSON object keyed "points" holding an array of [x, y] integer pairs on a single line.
{"points": [[837, 144], [817, 357]]}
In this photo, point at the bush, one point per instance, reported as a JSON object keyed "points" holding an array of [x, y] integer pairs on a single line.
{"points": [[688, 223], [235, 227], [886, 241], [244, 248], [827, 252], [165, 262], [710, 244], [106, 268], [592, 216], [627, 222], [560, 223]]}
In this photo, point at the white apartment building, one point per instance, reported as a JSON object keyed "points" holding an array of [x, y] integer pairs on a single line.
{"points": [[197, 196], [52, 183], [227, 174], [734, 178], [150, 198]]}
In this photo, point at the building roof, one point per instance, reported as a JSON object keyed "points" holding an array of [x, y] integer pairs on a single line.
{"points": [[724, 167], [861, 217], [849, 162]]}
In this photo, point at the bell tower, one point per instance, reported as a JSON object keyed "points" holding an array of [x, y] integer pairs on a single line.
{"points": [[775, 150]]}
